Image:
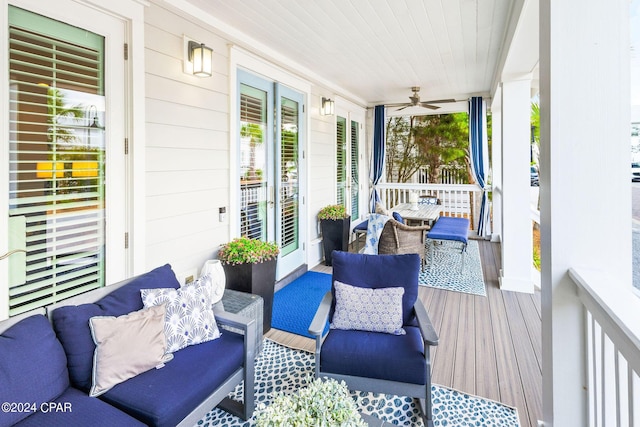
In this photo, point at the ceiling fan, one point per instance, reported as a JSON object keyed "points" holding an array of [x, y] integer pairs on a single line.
{"points": [[415, 101]]}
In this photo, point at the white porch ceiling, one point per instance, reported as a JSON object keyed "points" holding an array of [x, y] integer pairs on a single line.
{"points": [[378, 49]]}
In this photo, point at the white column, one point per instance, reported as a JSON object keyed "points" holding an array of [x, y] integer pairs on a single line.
{"points": [[517, 242], [496, 166], [584, 182]]}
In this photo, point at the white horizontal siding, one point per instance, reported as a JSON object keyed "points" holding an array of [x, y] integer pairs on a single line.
{"points": [[166, 112], [188, 147], [187, 144], [163, 183], [163, 135]]}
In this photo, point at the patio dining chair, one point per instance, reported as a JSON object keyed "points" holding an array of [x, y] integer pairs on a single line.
{"points": [[398, 238], [381, 345]]}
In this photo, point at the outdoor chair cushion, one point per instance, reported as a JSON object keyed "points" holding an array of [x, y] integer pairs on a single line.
{"points": [[370, 271], [163, 397], [71, 323], [375, 355], [362, 226], [27, 375], [449, 228]]}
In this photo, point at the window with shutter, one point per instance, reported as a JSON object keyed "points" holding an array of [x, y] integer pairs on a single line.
{"points": [[289, 166], [341, 160], [347, 165], [355, 200], [253, 146], [56, 159]]}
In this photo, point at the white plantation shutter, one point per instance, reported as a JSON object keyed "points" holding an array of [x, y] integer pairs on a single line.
{"points": [[253, 182], [341, 160], [355, 201], [289, 166], [56, 159]]}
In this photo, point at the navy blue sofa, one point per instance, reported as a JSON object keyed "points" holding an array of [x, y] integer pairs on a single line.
{"points": [[42, 364], [34, 381]]}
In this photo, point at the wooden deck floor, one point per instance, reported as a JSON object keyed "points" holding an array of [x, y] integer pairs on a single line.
{"points": [[489, 346]]}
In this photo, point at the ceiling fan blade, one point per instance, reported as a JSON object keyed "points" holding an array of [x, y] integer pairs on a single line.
{"points": [[441, 101], [429, 106], [402, 108]]}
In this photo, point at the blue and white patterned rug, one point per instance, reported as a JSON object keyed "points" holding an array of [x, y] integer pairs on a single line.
{"points": [[280, 369], [444, 272]]}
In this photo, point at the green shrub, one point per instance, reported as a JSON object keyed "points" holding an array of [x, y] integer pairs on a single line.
{"points": [[333, 212], [244, 250], [322, 403]]}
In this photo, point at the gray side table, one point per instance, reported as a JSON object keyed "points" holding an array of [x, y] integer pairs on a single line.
{"points": [[246, 305]]}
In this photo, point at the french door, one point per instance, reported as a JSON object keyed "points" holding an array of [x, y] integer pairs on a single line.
{"points": [[348, 135], [271, 124], [60, 134]]}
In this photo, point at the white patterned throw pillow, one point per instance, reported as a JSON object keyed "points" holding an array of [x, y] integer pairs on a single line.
{"points": [[189, 319], [367, 309]]}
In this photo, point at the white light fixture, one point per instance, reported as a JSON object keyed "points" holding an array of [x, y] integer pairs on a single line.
{"points": [[199, 59], [327, 107]]}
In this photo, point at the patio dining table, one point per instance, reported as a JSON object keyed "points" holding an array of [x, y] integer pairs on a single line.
{"points": [[426, 214]]}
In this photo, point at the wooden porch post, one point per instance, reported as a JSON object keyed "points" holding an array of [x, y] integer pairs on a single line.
{"points": [[496, 167], [584, 181], [516, 213]]}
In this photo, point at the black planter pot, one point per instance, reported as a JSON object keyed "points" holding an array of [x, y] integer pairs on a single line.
{"points": [[335, 236], [256, 279]]}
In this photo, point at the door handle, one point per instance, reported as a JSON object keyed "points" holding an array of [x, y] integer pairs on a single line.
{"points": [[272, 196]]}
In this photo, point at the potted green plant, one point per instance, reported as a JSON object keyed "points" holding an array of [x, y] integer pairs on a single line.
{"points": [[250, 266], [322, 403], [334, 225]]}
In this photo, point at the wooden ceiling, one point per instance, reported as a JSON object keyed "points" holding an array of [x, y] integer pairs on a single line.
{"points": [[376, 50]]}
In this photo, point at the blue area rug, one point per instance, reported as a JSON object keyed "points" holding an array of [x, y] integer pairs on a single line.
{"points": [[295, 305], [444, 271], [283, 370]]}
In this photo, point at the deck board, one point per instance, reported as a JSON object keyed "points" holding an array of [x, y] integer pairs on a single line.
{"points": [[489, 346], [528, 366], [486, 365], [464, 371]]}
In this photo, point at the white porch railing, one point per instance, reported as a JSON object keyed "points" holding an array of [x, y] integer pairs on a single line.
{"points": [[458, 200], [612, 359], [448, 175]]}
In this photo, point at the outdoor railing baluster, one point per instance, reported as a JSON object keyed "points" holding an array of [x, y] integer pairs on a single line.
{"points": [[458, 200]]}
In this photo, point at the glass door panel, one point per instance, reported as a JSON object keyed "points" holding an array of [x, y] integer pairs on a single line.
{"points": [[290, 128], [341, 161], [56, 160], [355, 172], [254, 131]]}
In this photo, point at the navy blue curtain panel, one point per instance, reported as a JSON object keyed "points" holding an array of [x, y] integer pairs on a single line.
{"points": [[377, 160], [479, 157]]}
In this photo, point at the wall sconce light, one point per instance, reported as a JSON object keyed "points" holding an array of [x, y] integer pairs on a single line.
{"points": [[327, 107], [199, 59]]}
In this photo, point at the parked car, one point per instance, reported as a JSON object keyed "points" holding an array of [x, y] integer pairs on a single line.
{"points": [[534, 177], [635, 171]]}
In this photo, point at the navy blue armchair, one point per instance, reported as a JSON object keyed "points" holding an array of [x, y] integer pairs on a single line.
{"points": [[375, 361]]}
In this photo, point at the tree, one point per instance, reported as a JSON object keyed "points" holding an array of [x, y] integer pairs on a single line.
{"points": [[444, 140], [434, 141], [403, 156], [57, 112]]}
